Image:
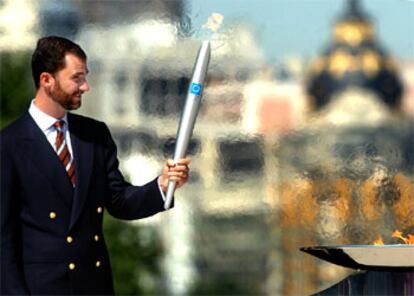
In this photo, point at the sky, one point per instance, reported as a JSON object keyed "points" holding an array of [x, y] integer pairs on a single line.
{"points": [[303, 28]]}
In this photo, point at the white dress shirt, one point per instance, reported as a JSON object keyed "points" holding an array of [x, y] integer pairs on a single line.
{"points": [[45, 122]]}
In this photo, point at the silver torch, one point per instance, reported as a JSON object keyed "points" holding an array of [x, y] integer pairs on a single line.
{"points": [[189, 115]]}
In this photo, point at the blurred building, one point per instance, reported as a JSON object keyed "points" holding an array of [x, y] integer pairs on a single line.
{"points": [[18, 25], [61, 18], [407, 74], [344, 174], [23, 21], [274, 107], [127, 11], [65, 18]]}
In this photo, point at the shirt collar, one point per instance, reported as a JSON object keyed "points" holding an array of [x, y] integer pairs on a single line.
{"points": [[43, 120]]}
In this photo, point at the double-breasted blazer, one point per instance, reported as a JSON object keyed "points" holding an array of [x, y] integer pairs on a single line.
{"points": [[51, 232]]}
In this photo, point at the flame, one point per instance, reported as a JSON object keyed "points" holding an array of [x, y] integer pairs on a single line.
{"points": [[379, 241], [214, 22], [397, 234]]}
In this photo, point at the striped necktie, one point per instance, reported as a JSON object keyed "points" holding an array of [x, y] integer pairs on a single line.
{"points": [[63, 151]]}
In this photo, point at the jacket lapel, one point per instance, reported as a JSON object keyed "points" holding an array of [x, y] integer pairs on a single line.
{"points": [[83, 150], [35, 146]]}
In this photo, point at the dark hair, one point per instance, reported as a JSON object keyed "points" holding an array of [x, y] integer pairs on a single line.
{"points": [[49, 55]]}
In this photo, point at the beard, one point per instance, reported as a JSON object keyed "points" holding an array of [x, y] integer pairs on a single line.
{"points": [[69, 101]]}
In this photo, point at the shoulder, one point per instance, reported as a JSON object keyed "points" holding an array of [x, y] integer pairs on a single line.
{"points": [[85, 123], [15, 128], [88, 128], [81, 119]]}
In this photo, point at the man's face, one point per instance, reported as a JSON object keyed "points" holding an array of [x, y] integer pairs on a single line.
{"points": [[70, 83]]}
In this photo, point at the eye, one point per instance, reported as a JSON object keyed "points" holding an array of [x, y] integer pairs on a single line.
{"points": [[78, 78]]}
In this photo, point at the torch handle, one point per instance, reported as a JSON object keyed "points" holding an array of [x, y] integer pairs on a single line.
{"points": [[170, 193], [189, 115], [185, 130]]}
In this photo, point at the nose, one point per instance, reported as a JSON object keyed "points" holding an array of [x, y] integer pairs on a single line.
{"points": [[84, 86]]}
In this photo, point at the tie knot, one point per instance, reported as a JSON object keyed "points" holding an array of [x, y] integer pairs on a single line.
{"points": [[59, 125]]}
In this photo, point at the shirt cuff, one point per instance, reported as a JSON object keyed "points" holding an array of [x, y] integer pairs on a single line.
{"points": [[159, 187]]}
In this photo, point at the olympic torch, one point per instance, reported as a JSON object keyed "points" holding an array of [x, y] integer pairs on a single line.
{"points": [[189, 115]]}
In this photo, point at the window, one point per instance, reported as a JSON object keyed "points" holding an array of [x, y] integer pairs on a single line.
{"points": [[240, 156], [163, 96], [168, 147], [132, 141]]}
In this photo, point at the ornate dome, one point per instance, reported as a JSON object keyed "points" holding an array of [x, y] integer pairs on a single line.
{"points": [[354, 59]]}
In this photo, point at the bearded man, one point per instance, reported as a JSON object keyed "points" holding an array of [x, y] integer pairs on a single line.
{"points": [[59, 172]]}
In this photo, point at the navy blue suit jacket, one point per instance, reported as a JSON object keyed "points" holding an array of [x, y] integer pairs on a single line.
{"points": [[51, 233]]}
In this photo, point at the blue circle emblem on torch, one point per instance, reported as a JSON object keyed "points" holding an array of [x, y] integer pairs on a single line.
{"points": [[196, 88]]}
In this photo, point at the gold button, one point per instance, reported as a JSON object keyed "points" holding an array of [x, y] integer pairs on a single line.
{"points": [[72, 266], [96, 237], [69, 239], [52, 215], [98, 263], [99, 210]]}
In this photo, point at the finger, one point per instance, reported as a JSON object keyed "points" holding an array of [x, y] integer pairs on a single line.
{"points": [[181, 179], [165, 169], [183, 161], [175, 177], [180, 168], [170, 163], [177, 174]]}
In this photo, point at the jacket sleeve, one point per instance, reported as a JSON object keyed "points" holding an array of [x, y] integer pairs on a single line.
{"points": [[12, 278], [124, 200]]}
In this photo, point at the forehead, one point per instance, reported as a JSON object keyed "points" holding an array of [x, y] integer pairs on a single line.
{"points": [[74, 64]]}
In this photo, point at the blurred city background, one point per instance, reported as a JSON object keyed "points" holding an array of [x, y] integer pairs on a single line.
{"points": [[305, 135]]}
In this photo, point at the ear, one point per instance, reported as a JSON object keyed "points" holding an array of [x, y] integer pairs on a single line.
{"points": [[46, 80]]}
